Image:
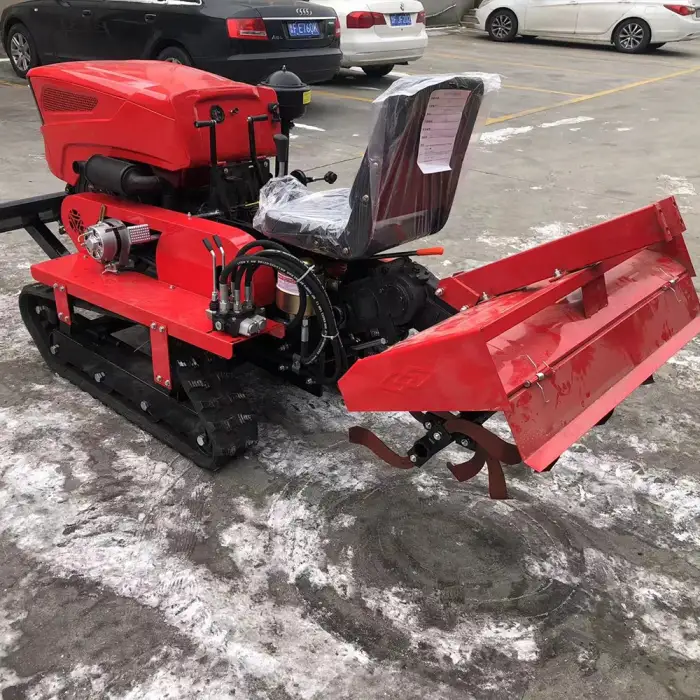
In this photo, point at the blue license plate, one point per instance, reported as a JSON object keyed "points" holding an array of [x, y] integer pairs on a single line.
{"points": [[303, 29], [400, 20]]}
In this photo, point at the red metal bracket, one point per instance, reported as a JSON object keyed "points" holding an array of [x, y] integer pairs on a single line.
{"points": [[160, 355], [457, 294], [661, 218], [595, 296], [62, 305]]}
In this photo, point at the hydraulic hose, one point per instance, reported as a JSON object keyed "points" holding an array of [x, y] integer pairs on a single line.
{"points": [[266, 246], [248, 283], [270, 245], [285, 262]]}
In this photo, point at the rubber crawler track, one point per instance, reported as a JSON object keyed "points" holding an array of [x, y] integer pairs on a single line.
{"points": [[205, 405]]}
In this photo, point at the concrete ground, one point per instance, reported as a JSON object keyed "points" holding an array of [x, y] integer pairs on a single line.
{"points": [[309, 570]]}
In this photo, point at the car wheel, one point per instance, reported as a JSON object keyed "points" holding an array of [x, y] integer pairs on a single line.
{"points": [[653, 47], [21, 50], [378, 71], [502, 25], [174, 54], [632, 36]]}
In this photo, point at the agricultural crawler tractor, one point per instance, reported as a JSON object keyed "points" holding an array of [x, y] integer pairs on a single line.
{"points": [[196, 257]]}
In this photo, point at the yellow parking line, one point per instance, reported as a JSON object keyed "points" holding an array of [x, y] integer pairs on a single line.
{"points": [[589, 57], [341, 96], [534, 89], [593, 96], [7, 84], [498, 59]]}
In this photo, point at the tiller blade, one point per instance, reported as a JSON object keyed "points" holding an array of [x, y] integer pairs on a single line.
{"points": [[555, 337]]}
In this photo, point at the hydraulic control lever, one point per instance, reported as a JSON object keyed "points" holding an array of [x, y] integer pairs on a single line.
{"points": [[282, 159], [252, 146], [214, 303], [211, 125], [330, 177]]}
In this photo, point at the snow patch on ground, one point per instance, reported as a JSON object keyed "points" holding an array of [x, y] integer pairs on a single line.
{"points": [[676, 185], [500, 135], [16, 342], [538, 235], [90, 680], [117, 551], [490, 138], [566, 122], [687, 364], [287, 537], [167, 684], [655, 601], [308, 127], [613, 491], [428, 484]]}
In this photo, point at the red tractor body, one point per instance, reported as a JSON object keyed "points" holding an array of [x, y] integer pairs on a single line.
{"points": [[177, 223], [143, 111]]}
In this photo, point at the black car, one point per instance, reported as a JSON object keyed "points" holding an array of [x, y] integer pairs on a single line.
{"points": [[245, 40]]}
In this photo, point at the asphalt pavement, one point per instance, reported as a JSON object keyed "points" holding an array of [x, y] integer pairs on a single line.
{"points": [[311, 571]]}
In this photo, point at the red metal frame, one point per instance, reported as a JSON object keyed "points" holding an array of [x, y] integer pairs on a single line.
{"points": [[660, 223], [560, 335], [62, 304], [160, 355], [143, 300], [181, 258]]}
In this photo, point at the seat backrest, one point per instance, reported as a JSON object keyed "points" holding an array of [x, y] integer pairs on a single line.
{"points": [[409, 174]]}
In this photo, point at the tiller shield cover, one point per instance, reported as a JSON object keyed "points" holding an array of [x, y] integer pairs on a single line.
{"points": [[555, 337]]}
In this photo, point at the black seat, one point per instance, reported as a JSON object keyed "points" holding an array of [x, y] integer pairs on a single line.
{"points": [[395, 197]]}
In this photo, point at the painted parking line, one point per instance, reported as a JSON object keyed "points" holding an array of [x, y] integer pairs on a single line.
{"points": [[586, 54], [506, 86], [545, 108], [5, 83], [527, 88], [593, 96], [341, 96], [506, 62]]}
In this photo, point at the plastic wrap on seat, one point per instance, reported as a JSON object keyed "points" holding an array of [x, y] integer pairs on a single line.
{"points": [[406, 183], [289, 211]]}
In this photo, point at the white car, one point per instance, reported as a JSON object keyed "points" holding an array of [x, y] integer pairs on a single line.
{"points": [[380, 34], [632, 26]]}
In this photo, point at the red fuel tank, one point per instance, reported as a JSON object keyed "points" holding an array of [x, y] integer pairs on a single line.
{"points": [[144, 111]]}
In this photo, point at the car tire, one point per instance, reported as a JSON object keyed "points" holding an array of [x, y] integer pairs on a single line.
{"points": [[653, 47], [21, 50], [174, 54], [378, 71], [502, 25], [632, 36]]}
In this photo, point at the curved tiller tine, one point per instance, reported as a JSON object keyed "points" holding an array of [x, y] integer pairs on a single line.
{"points": [[490, 449], [362, 436]]}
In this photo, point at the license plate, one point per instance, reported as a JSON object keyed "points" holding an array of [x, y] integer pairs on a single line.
{"points": [[697, 14], [400, 20], [303, 29]]}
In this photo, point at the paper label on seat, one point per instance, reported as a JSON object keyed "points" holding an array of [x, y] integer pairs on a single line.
{"points": [[439, 129]]}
